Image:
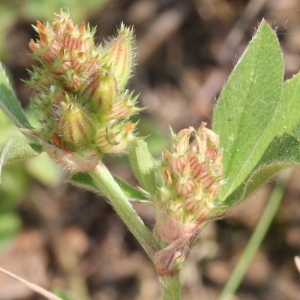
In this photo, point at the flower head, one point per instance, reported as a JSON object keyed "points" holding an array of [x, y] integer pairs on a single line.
{"points": [[190, 178], [80, 87]]}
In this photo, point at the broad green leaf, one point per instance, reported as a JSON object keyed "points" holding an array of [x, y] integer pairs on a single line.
{"points": [[9, 103], [15, 149], [282, 153], [244, 114], [143, 165], [86, 181]]}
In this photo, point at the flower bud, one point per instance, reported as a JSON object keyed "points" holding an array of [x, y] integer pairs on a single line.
{"points": [[75, 126], [124, 107], [101, 92], [118, 54], [115, 138]]}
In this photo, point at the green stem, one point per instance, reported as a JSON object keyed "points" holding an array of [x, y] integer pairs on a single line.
{"points": [[256, 239], [107, 185], [171, 288], [122, 206]]}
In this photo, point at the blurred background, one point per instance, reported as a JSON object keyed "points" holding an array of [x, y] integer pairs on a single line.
{"points": [[69, 240]]}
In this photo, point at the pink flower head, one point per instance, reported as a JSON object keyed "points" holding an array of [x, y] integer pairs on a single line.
{"points": [[191, 177]]}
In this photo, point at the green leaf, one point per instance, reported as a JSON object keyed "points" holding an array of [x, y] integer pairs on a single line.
{"points": [[289, 115], [282, 153], [36, 147], [143, 165], [129, 191], [15, 149], [9, 103], [244, 114], [84, 180]]}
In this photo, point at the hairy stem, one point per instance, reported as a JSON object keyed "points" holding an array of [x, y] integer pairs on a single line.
{"points": [[171, 288], [122, 206]]}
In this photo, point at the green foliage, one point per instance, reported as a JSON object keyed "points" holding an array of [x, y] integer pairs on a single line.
{"points": [[130, 192], [84, 180], [143, 165], [282, 153], [14, 150], [289, 116], [244, 113], [9, 103], [251, 111]]}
